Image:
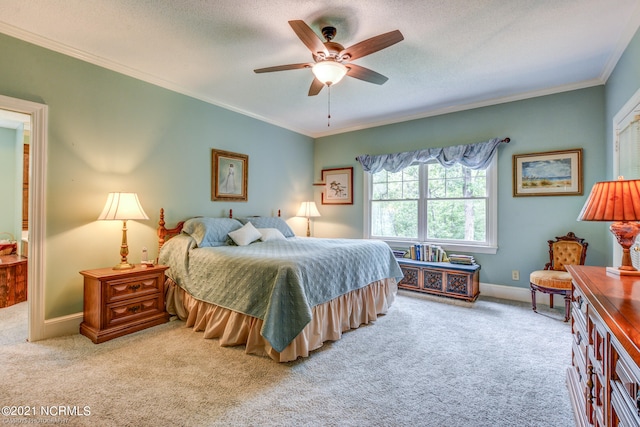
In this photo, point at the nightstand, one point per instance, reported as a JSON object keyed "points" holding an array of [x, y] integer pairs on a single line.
{"points": [[119, 302]]}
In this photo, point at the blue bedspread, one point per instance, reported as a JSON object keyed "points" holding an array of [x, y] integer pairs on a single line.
{"points": [[277, 281]]}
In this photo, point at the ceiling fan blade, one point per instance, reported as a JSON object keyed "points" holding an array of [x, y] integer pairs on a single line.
{"points": [[282, 68], [373, 44], [316, 87], [365, 74], [308, 37]]}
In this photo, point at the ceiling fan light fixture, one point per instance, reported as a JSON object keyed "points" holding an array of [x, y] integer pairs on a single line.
{"points": [[329, 71]]}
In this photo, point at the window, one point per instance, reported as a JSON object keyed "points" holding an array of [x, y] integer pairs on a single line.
{"points": [[451, 207]]}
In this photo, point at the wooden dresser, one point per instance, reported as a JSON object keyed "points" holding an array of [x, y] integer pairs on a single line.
{"points": [[118, 302], [13, 280], [604, 379], [441, 278]]}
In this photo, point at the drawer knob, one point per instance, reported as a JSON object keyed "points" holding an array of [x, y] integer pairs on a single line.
{"points": [[134, 287], [134, 309]]}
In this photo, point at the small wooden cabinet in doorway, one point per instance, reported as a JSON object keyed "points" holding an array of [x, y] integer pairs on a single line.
{"points": [[13, 280]]}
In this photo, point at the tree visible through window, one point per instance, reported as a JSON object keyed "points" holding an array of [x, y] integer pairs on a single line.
{"points": [[431, 203]]}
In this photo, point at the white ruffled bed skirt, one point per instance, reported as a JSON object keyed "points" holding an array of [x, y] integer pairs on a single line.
{"points": [[329, 321]]}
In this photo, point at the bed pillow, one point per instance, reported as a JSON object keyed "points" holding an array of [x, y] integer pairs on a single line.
{"points": [[270, 222], [208, 232], [245, 235], [270, 234]]}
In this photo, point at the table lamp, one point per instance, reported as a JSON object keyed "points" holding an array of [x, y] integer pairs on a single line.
{"points": [[617, 201], [308, 210], [123, 206]]}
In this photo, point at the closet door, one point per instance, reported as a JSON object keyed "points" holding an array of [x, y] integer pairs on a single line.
{"points": [[628, 160]]}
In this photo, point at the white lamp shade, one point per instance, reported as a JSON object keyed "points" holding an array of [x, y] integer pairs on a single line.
{"points": [[122, 206], [308, 210], [329, 72]]}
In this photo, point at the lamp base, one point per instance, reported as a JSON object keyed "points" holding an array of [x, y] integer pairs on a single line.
{"points": [[618, 272], [123, 266]]}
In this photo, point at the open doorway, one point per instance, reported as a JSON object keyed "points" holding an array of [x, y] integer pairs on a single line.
{"points": [[15, 130], [35, 205]]}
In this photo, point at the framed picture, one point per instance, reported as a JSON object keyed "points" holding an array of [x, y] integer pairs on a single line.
{"points": [[338, 186], [229, 176], [552, 173]]}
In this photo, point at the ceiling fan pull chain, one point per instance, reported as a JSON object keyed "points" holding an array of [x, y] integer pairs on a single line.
{"points": [[329, 107]]}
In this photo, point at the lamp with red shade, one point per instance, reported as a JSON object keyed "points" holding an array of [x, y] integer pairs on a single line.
{"points": [[617, 201]]}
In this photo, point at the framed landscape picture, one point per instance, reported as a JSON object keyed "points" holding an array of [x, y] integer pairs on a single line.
{"points": [[551, 173], [229, 176], [338, 186]]}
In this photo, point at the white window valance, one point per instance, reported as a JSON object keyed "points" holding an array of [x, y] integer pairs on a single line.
{"points": [[473, 156]]}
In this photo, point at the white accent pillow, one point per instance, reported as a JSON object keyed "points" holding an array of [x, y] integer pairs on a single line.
{"points": [[245, 235], [270, 234]]}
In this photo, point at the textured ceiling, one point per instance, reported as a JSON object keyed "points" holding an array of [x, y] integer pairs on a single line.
{"points": [[457, 54]]}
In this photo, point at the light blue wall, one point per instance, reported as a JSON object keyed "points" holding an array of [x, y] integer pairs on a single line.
{"points": [[108, 132], [556, 122], [8, 184]]}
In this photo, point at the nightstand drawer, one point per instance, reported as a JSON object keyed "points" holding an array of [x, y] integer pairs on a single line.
{"points": [[120, 289], [133, 310]]}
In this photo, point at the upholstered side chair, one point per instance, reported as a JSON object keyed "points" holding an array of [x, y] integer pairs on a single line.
{"points": [[554, 279]]}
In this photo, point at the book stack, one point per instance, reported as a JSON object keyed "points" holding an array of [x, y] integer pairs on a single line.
{"points": [[399, 253], [427, 252], [461, 259]]}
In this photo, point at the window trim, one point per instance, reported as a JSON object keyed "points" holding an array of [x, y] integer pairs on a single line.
{"points": [[488, 247]]}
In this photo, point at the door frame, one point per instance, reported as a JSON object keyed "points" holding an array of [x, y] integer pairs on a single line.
{"points": [[37, 211]]}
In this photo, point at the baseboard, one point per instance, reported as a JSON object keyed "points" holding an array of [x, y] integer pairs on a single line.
{"points": [[64, 325], [511, 293]]}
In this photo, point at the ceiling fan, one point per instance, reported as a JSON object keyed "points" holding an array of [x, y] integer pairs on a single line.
{"points": [[332, 61]]}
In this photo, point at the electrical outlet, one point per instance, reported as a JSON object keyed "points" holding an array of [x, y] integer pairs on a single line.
{"points": [[515, 275]]}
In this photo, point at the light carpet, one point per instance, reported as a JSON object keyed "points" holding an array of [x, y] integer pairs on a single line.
{"points": [[428, 362]]}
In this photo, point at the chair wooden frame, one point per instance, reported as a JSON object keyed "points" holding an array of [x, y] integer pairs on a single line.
{"points": [[567, 293]]}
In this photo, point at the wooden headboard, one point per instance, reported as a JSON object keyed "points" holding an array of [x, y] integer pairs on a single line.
{"points": [[165, 234]]}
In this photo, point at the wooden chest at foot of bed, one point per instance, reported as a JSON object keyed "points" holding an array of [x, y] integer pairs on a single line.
{"points": [[119, 302], [13, 280], [441, 278]]}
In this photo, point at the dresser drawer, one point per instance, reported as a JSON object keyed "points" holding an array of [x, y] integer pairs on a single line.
{"points": [[121, 289], [579, 307], [133, 310], [625, 387]]}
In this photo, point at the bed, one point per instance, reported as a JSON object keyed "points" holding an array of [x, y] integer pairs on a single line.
{"points": [[252, 282]]}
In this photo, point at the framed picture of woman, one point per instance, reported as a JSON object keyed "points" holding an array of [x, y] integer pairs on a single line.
{"points": [[229, 176]]}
